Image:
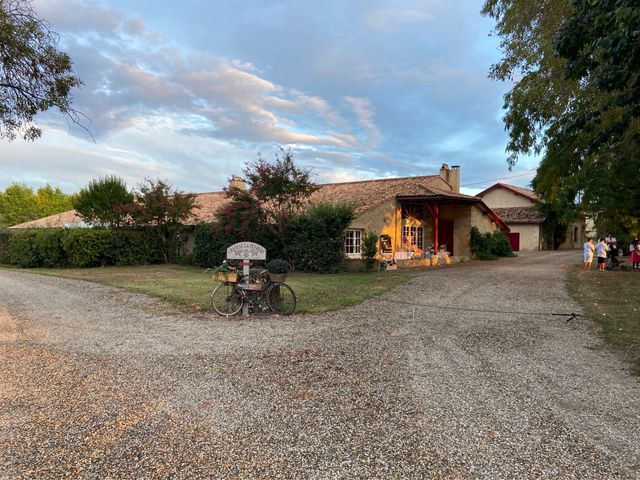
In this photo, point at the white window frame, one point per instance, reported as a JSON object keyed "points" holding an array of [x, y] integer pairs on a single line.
{"points": [[353, 243], [415, 233]]}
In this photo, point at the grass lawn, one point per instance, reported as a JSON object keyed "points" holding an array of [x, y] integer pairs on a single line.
{"points": [[189, 287], [612, 299]]}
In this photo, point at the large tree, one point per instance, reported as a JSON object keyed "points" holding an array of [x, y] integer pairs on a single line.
{"points": [[99, 201], [162, 210], [19, 203], [34, 75], [574, 67], [281, 189]]}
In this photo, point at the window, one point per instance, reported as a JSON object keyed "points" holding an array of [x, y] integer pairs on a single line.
{"points": [[413, 237], [352, 243]]}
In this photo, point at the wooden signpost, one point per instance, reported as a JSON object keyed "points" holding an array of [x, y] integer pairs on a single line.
{"points": [[246, 251]]}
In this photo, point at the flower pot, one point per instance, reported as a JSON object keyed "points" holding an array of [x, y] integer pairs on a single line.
{"points": [[225, 277], [278, 277]]}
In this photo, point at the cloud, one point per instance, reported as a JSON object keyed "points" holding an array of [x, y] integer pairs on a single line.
{"points": [[393, 87], [387, 19], [77, 16], [365, 113], [126, 84]]}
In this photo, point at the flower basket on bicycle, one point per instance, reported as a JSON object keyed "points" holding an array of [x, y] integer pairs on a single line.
{"points": [[277, 277], [231, 277]]}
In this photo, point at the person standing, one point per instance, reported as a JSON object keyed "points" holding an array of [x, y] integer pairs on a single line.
{"points": [[601, 252], [634, 254], [588, 248]]}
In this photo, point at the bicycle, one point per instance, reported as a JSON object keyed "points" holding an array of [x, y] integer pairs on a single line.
{"points": [[259, 293]]}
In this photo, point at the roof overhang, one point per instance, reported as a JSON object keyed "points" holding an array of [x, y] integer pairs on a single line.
{"points": [[504, 186], [450, 200]]}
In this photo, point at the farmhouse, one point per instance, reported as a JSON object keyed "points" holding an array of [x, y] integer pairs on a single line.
{"points": [[411, 214], [518, 208]]}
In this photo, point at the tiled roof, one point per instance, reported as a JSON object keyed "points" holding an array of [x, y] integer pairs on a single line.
{"points": [[519, 215], [367, 194], [207, 203], [363, 195], [525, 192], [52, 221]]}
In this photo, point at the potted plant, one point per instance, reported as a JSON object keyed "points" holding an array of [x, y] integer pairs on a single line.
{"points": [[224, 273], [277, 269]]}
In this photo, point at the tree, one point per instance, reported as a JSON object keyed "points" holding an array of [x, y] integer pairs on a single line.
{"points": [[369, 249], [241, 218], [161, 210], [99, 202], [34, 75], [49, 201], [17, 205], [575, 98], [282, 189], [316, 237]]}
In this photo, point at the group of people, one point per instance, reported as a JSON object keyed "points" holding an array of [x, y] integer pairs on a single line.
{"points": [[606, 250]]}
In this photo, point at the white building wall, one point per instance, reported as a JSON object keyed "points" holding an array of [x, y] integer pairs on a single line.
{"points": [[501, 198], [530, 236]]}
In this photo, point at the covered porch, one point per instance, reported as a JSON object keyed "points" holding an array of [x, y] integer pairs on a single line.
{"points": [[426, 226]]}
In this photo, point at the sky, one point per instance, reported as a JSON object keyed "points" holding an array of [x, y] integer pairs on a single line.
{"points": [[191, 91]]}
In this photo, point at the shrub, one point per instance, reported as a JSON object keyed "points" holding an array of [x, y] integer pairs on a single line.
{"points": [[49, 249], [489, 246], [22, 249], [209, 247], [132, 247], [369, 249], [315, 238], [5, 235], [479, 243], [277, 265], [88, 247], [500, 245]]}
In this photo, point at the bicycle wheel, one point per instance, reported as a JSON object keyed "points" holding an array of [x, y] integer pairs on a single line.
{"points": [[226, 299], [281, 299]]}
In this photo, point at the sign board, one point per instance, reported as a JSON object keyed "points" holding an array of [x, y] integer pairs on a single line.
{"points": [[246, 251]]}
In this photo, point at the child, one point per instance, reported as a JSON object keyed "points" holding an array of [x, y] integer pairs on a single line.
{"points": [[634, 254], [588, 253], [601, 251]]}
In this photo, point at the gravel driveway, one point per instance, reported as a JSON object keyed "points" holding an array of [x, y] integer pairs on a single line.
{"points": [[98, 383]]}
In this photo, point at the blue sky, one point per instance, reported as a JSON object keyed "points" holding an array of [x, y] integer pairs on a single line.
{"points": [[189, 91]]}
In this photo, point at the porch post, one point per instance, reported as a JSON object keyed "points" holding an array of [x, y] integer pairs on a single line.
{"points": [[436, 214]]}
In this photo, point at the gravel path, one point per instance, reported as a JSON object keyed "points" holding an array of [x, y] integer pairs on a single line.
{"points": [[99, 383]]}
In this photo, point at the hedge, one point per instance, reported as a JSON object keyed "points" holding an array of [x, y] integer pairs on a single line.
{"points": [[210, 243], [51, 248], [209, 247], [22, 250], [315, 239], [4, 245], [489, 246]]}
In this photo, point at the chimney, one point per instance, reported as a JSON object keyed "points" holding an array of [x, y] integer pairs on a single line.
{"points": [[451, 176], [454, 176], [237, 183]]}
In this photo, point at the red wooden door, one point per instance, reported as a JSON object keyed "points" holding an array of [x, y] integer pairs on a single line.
{"points": [[514, 240], [445, 234]]}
